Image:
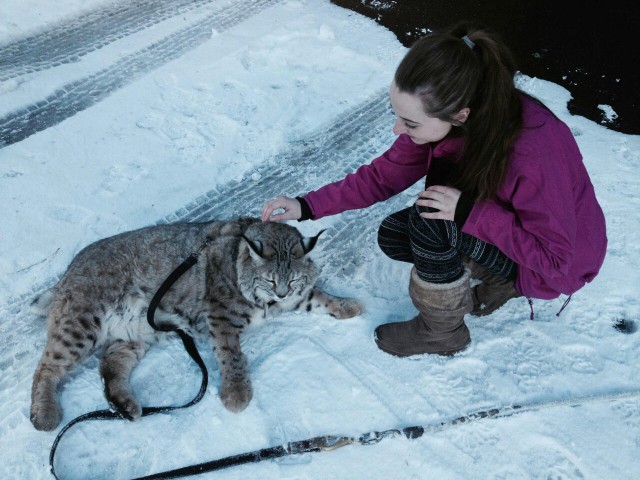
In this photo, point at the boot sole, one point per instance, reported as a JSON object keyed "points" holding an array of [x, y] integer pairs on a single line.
{"points": [[443, 353]]}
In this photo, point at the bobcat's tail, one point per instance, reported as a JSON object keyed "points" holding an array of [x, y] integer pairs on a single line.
{"points": [[40, 304]]}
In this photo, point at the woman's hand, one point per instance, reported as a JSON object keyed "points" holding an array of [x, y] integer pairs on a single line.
{"points": [[291, 207], [442, 198]]}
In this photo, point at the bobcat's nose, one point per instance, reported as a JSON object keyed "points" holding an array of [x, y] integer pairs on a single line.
{"points": [[281, 292]]}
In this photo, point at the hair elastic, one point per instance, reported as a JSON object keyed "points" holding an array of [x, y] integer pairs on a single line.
{"points": [[468, 41]]}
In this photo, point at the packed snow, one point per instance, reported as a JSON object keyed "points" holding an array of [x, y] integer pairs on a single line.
{"points": [[226, 112]]}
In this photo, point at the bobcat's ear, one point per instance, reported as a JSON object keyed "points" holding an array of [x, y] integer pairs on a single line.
{"points": [[309, 242], [255, 248]]}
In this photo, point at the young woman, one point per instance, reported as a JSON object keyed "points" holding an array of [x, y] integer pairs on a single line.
{"points": [[507, 197]]}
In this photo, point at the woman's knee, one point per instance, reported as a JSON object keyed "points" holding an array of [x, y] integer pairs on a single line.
{"points": [[426, 232], [393, 238]]}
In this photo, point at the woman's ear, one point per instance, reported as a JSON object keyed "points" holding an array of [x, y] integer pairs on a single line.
{"points": [[462, 115]]}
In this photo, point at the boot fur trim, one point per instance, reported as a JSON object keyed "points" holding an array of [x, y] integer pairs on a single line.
{"points": [[451, 298]]}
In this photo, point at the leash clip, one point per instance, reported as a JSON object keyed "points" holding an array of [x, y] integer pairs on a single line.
{"points": [[325, 443], [332, 442], [206, 242]]}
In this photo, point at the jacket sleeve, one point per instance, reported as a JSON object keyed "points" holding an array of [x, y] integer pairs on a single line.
{"points": [[394, 171], [536, 229]]}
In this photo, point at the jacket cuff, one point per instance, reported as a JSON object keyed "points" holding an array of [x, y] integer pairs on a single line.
{"points": [[306, 213], [463, 209]]}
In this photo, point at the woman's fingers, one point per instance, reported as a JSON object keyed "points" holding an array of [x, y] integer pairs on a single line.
{"points": [[290, 206], [443, 199], [269, 207]]}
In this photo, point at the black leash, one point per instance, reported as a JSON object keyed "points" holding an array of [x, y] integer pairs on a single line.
{"points": [[189, 345], [332, 442]]}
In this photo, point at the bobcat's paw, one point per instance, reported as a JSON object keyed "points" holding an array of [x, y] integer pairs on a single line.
{"points": [[346, 308], [46, 416], [236, 395], [126, 406]]}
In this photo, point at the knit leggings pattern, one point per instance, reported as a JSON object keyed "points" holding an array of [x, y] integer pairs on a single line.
{"points": [[436, 247]]}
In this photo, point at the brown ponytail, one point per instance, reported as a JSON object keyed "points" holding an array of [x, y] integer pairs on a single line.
{"points": [[449, 74]]}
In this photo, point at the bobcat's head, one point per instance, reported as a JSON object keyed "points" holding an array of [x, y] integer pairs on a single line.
{"points": [[273, 265]]}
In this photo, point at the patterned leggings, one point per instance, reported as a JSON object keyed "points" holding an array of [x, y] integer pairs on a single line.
{"points": [[436, 247]]}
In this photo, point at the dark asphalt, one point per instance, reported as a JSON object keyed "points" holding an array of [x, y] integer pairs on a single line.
{"points": [[594, 52]]}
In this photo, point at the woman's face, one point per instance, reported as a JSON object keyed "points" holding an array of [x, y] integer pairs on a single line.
{"points": [[412, 120]]}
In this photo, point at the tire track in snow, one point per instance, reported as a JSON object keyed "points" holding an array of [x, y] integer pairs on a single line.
{"points": [[83, 93], [68, 41], [325, 155]]}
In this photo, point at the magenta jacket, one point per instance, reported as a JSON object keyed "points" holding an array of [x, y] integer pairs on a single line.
{"points": [[545, 216]]}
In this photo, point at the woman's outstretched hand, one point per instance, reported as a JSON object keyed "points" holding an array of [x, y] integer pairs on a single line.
{"points": [[444, 199], [291, 207]]}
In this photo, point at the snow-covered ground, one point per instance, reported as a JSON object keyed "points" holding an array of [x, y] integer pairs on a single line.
{"points": [[204, 109]]}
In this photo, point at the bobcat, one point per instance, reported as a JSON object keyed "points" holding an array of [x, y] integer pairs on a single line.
{"points": [[248, 271]]}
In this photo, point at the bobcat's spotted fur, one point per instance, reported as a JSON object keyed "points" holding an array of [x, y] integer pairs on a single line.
{"points": [[248, 271]]}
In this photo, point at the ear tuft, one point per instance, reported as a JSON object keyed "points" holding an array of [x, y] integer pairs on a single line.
{"points": [[309, 242]]}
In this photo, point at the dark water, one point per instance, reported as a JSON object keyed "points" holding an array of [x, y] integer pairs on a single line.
{"points": [[594, 52]]}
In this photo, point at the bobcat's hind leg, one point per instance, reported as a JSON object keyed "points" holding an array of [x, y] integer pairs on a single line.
{"points": [[69, 342], [319, 301], [118, 360], [46, 412]]}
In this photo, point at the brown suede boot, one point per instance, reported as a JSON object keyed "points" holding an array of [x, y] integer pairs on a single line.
{"points": [[492, 293], [438, 328]]}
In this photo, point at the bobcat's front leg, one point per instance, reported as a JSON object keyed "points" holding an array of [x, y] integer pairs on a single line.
{"points": [[236, 391], [320, 301]]}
